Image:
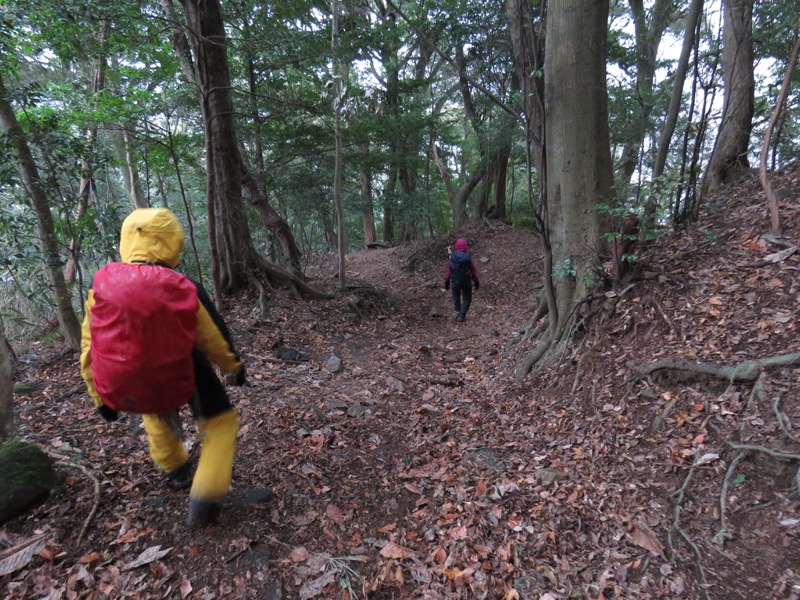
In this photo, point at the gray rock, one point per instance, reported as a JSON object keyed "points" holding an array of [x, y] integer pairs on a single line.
{"points": [[548, 476], [435, 313], [334, 364], [395, 384], [336, 404], [357, 410]]}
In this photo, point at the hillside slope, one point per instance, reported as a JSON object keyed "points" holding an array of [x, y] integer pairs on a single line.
{"points": [[422, 469]]}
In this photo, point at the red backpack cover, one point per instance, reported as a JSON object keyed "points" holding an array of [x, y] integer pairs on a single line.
{"points": [[143, 324]]}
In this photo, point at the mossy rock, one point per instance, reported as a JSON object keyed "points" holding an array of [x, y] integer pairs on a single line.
{"points": [[27, 476]]}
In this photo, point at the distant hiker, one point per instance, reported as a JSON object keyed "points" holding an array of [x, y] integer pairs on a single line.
{"points": [[461, 273], [148, 335]]}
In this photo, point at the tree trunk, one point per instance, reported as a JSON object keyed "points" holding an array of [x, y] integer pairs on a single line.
{"points": [[528, 49], [338, 73], [29, 174], [229, 235], [6, 387], [578, 159], [729, 159], [87, 160], [648, 39], [273, 222], [367, 209], [689, 36], [766, 183]]}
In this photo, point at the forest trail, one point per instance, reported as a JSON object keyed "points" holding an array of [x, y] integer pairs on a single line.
{"points": [[421, 469]]}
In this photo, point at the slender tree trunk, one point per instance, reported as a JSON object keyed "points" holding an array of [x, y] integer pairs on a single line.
{"points": [[689, 37], [6, 387], [337, 135], [766, 183], [273, 222], [648, 39], [729, 159], [528, 49], [367, 209], [29, 174], [87, 160]]}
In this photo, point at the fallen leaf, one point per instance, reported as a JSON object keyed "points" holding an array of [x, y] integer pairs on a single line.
{"points": [[315, 587], [715, 301], [387, 528], [153, 553], [89, 558], [21, 554], [393, 550], [299, 554], [186, 588], [334, 513], [644, 537]]}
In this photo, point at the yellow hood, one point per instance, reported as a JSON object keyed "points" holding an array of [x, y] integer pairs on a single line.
{"points": [[151, 235]]}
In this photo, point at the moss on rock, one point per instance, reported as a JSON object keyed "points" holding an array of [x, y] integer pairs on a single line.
{"points": [[27, 475]]}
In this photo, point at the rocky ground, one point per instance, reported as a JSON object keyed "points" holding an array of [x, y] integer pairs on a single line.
{"points": [[634, 466]]}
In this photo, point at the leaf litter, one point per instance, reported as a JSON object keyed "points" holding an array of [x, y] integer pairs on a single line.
{"points": [[421, 469]]}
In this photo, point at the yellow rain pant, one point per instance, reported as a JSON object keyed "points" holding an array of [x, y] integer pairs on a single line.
{"points": [[166, 449], [213, 476]]}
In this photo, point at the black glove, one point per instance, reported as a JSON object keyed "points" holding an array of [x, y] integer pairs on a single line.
{"points": [[477, 285], [447, 284], [240, 377], [109, 414]]}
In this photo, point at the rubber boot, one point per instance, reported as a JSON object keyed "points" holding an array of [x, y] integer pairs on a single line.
{"points": [[214, 469]]}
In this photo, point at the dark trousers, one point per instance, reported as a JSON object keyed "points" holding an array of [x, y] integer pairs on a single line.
{"points": [[210, 398], [462, 298]]}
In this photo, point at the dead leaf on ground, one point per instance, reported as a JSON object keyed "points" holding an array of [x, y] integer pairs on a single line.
{"points": [[644, 537], [152, 554], [21, 554], [393, 550]]}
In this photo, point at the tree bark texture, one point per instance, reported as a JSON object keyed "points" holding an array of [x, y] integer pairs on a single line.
{"points": [[6, 387], [229, 234], [579, 170], [528, 49], [29, 174], [730, 152], [367, 208]]}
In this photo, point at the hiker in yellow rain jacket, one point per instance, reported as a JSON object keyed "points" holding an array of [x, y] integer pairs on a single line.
{"points": [[148, 335]]}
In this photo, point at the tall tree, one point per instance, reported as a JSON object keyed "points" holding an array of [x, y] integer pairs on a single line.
{"points": [[577, 159], [733, 139], [229, 235], [648, 32], [29, 174]]}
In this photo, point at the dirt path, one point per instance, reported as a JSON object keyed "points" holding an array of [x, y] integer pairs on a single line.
{"points": [[420, 469]]}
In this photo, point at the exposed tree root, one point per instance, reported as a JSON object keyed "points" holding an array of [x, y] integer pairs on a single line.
{"points": [[276, 275], [748, 370], [723, 496], [676, 526], [67, 461], [783, 420]]}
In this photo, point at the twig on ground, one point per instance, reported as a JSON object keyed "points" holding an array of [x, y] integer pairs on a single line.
{"points": [[776, 406], [67, 462], [676, 526], [654, 303], [723, 496]]}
